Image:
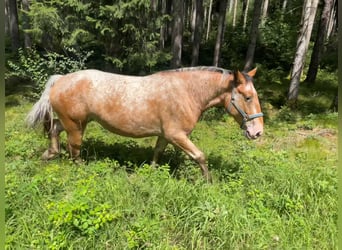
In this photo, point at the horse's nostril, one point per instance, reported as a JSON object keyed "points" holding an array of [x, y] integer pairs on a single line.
{"points": [[259, 133]]}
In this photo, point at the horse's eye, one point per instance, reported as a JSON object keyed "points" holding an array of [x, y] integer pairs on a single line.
{"points": [[248, 99]]}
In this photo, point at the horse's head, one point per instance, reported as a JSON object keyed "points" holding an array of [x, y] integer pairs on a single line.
{"points": [[243, 104]]}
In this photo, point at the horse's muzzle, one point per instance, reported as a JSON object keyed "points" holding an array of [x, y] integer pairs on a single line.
{"points": [[253, 133]]}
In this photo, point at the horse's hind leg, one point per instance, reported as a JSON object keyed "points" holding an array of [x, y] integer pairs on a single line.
{"points": [[53, 133]]}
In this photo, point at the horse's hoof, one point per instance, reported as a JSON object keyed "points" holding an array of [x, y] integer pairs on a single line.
{"points": [[79, 161], [208, 178], [48, 155]]}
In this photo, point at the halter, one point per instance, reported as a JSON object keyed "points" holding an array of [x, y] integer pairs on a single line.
{"points": [[245, 116]]}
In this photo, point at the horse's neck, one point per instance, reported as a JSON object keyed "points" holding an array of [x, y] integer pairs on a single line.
{"points": [[210, 91]]}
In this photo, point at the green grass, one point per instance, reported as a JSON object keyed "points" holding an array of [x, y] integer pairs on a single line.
{"points": [[279, 192]]}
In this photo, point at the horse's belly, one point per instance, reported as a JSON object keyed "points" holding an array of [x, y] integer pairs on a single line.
{"points": [[131, 126]]}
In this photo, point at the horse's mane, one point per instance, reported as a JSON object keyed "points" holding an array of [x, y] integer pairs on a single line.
{"points": [[201, 68]]}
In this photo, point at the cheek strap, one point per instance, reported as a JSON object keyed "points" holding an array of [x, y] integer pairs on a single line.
{"points": [[245, 116]]}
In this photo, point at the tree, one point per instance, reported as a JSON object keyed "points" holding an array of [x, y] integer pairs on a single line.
{"points": [[244, 14], [6, 18], [26, 25], [319, 43], [308, 17], [284, 6], [209, 19], [264, 11], [332, 26], [12, 12], [220, 32], [197, 30], [177, 33], [164, 27], [334, 104], [234, 13], [253, 34]]}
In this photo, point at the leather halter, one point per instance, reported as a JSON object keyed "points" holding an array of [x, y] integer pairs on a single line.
{"points": [[245, 116]]}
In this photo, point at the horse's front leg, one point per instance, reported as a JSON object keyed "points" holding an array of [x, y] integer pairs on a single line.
{"points": [[183, 142], [159, 149]]}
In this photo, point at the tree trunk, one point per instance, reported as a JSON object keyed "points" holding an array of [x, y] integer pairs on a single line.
{"points": [[13, 24], [209, 19], [154, 5], [283, 9], [244, 15], [308, 17], [332, 26], [193, 19], [264, 12], [220, 32], [334, 104], [230, 6], [319, 43], [253, 34], [6, 18], [187, 19], [197, 32], [163, 27], [284, 6], [234, 14], [26, 24], [169, 26], [177, 33]]}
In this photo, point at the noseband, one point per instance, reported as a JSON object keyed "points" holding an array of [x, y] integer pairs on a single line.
{"points": [[245, 116]]}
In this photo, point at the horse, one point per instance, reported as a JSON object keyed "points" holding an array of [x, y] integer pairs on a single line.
{"points": [[166, 104]]}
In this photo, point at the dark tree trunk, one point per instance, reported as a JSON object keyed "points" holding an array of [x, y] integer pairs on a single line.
{"points": [[177, 33], [220, 32], [197, 31], [253, 34], [334, 104], [169, 26], [163, 27], [189, 17], [13, 24], [319, 43]]}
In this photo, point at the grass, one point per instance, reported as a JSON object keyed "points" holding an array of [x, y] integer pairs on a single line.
{"points": [[279, 192]]}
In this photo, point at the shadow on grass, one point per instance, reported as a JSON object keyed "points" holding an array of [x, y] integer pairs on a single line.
{"points": [[128, 153], [131, 153]]}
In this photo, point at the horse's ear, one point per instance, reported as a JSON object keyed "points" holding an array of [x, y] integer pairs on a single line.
{"points": [[252, 72], [238, 77]]}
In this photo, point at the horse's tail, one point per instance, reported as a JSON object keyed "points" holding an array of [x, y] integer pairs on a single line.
{"points": [[41, 112]]}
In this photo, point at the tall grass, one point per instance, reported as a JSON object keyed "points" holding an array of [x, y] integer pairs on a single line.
{"points": [[279, 192]]}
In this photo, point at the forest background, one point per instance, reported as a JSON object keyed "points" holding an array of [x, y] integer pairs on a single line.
{"points": [[277, 193], [140, 37]]}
